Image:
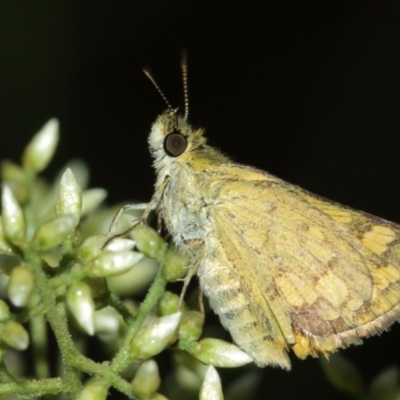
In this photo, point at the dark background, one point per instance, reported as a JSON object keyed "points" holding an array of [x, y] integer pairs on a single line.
{"points": [[308, 90]]}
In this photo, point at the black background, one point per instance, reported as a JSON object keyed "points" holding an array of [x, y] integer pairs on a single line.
{"points": [[307, 90]]}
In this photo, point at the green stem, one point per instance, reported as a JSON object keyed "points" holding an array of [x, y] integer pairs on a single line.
{"points": [[116, 303], [35, 387], [122, 359], [5, 376], [38, 329], [73, 360]]}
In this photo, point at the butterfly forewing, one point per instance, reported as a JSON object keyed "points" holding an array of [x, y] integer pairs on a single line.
{"points": [[306, 273]]}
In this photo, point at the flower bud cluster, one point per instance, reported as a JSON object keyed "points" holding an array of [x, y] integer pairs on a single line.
{"points": [[44, 224]]}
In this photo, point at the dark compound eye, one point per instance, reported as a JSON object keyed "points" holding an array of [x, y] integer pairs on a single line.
{"points": [[175, 144]]}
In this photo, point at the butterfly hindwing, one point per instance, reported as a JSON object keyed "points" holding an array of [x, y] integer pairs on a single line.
{"points": [[314, 275]]}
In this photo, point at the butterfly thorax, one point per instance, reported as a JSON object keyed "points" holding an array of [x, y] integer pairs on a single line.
{"points": [[183, 203]]}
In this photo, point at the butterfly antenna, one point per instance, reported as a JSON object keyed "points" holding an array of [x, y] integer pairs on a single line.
{"points": [[147, 71], [184, 67]]}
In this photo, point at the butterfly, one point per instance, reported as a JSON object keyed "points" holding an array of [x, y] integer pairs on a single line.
{"points": [[284, 269]]}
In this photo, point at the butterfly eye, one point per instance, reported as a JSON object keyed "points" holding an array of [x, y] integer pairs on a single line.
{"points": [[175, 144]]}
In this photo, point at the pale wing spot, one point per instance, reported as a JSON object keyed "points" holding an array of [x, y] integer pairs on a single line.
{"points": [[325, 309], [342, 217], [392, 295], [289, 289], [380, 304], [333, 289], [354, 302], [380, 279], [383, 276], [295, 290], [378, 239], [339, 215], [392, 273]]}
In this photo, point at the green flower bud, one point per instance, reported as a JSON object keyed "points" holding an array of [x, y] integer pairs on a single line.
{"points": [[113, 263], [81, 305], [169, 304], [8, 262], [385, 386], [154, 337], [211, 387], [5, 245], [13, 221], [15, 336], [93, 390], [90, 248], [91, 199], [149, 242], [99, 288], [191, 326], [147, 380], [218, 353], [41, 148], [175, 265], [69, 198], [52, 233], [52, 257], [4, 311], [20, 286], [157, 396], [343, 374], [17, 179]]}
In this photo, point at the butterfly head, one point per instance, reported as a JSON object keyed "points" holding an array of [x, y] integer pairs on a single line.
{"points": [[172, 138]]}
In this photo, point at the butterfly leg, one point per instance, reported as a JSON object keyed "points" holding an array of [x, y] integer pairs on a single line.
{"points": [[201, 301], [147, 207], [192, 269], [126, 207]]}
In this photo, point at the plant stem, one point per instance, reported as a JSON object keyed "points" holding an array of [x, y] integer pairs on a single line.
{"points": [[122, 359]]}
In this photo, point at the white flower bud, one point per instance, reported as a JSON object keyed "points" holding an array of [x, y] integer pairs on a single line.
{"points": [[69, 198], [81, 305], [136, 280], [12, 217], [15, 336], [41, 148], [93, 390], [120, 244], [112, 263], [211, 388], [147, 380], [20, 286], [107, 322], [219, 353], [54, 232], [91, 199], [153, 338]]}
